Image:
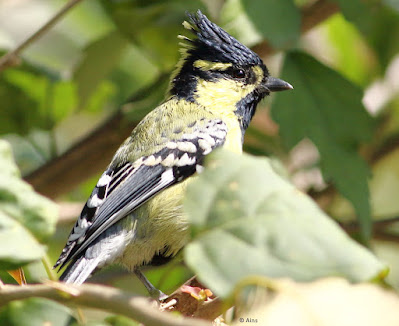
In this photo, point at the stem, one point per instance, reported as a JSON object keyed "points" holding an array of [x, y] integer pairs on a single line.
{"points": [[49, 268]]}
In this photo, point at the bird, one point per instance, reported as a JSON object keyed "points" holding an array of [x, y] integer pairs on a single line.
{"points": [[134, 215]]}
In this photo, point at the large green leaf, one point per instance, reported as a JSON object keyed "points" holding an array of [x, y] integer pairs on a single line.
{"points": [[385, 34], [18, 246], [327, 109], [35, 312], [26, 218], [247, 220], [267, 15]]}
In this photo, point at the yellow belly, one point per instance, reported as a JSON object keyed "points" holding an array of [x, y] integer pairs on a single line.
{"points": [[160, 227]]}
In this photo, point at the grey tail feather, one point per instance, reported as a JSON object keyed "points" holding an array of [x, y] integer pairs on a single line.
{"points": [[78, 271]]}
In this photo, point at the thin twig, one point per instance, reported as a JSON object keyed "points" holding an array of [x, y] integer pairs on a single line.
{"points": [[99, 297], [379, 225], [12, 58], [316, 13], [48, 268], [386, 236]]}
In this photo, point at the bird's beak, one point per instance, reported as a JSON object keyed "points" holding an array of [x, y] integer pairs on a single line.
{"points": [[277, 85]]}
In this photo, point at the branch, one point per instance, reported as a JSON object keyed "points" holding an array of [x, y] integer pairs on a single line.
{"points": [[98, 297], [12, 58], [388, 146], [316, 13], [380, 229], [386, 236], [81, 161]]}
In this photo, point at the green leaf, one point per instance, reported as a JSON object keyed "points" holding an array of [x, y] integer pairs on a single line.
{"points": [[384, 35], [64, 99], [22, 106], [153, 26], [33, 85], [18, 247], [327, 109], [35, 312], [25, 217], [353, 57], [358, 12], [38, 100], [267, 15], [378, 21], [99, 58], [246, 220], [14, 116]]}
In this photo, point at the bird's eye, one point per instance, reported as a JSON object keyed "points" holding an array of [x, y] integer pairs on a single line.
{"points": [[238, 73]]}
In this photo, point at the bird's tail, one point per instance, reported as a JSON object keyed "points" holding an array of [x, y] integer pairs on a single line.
{"points": [[78, 271]]}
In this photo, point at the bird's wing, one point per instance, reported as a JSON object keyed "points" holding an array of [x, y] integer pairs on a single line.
{"points": [[122, 189]]}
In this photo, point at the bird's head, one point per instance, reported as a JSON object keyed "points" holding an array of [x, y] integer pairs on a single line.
{"points": [[220, 73]]}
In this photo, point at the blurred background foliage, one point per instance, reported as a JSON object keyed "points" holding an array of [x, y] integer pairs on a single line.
{"points": [[81, 88]]}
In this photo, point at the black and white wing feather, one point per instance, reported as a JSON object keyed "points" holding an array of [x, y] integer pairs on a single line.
{"points": [[124, 188]]}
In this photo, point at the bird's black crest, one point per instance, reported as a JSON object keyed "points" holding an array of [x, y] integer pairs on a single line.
{"points": [[212, 43]]}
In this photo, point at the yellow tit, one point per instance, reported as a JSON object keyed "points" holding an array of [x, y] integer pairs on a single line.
{"points": [[134, 215]]}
